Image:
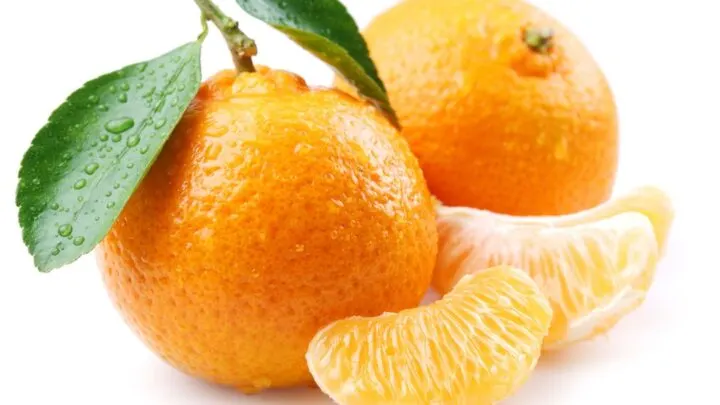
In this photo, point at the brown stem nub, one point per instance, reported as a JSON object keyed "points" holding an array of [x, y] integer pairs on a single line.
{"points": [[241, 46], [539, 40]]}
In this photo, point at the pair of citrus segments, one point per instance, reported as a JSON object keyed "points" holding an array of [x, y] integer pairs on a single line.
{"points": [[580, 274]]}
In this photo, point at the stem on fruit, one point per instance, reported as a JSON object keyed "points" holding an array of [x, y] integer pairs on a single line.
{"points": [[539, 40], [241, 46]]}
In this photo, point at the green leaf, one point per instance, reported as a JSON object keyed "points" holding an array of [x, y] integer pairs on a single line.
{"points": [[82, 167], [325, 28]]}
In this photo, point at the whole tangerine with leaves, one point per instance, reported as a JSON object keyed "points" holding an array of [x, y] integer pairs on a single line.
{"points": [[505, 108], [273, 210]]}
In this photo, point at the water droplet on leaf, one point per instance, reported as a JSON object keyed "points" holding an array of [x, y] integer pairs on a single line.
{"points": [[125, 87], [55, 251], [80, 184], [116, 138], [78, 240], [130, 165], [116, 186], [161, 123], [113, 89], [90, 168], [119, 125], [110, 204], [133, 140], [65, 230], [93, 99], [144, 149], [123, 98], [104, 137], [54, 206], [103, 107]]}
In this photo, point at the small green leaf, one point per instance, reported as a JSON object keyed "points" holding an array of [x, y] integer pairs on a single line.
{"points": [[325, 28], [85, 163]]}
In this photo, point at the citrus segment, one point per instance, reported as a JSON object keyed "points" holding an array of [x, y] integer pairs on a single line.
{"points": [[594, 267], [474, 346]]}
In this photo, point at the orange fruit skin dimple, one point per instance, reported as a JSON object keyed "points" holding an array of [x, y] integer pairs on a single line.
{"points": [[273, 210], [495, 124]]}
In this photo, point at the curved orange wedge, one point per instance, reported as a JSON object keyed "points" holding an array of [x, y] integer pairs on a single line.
{"points": [[474, 346], [594, 266]]}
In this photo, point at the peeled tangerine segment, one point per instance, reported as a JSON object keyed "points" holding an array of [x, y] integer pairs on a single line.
{"points": [[474, 346], [594, 266]]}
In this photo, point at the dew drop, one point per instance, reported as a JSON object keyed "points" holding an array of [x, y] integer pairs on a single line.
{"points": [[97, 219], [108, 149], [161, 123], [104, 137], [119, 125], [130, 165], [66, 156], [65, 230], [108, 194], [181, 87], [93, 99], [36, 181], [103, 107], [123, 98], [102, 156], [174, 102], [116, 138], [94, 144], [125, 87], [113, 89], [54, 206], [124, 176], [116, 186], [55, 251], [91, 168], [144, 150], [78, 240], [80, 184], [133, 140], [139, 86], [80, 198], [142, 67], [110, 204]]}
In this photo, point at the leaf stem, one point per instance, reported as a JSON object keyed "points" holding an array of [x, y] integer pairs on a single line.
{"points": [[241, 46]]}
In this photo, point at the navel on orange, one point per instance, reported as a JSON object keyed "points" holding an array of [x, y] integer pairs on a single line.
{"points": [[273, 210], [595, 266], [499, 101], [474, 346]]}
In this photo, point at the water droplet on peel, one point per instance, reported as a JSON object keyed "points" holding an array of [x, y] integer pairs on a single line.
{"points": [[133, 140], [125, 87], [104, 137], [79, 184], [78, 240], [123, 98], [103, 107], [93, 99], [55, 251], [90, 168], [65, 230], [110, 204], [54, 206], [161, 123], [116, 138], [119, 125], [130, 165], [144, 149]]}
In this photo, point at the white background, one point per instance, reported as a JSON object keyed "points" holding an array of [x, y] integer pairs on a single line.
{"points": [[62, 342]]}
